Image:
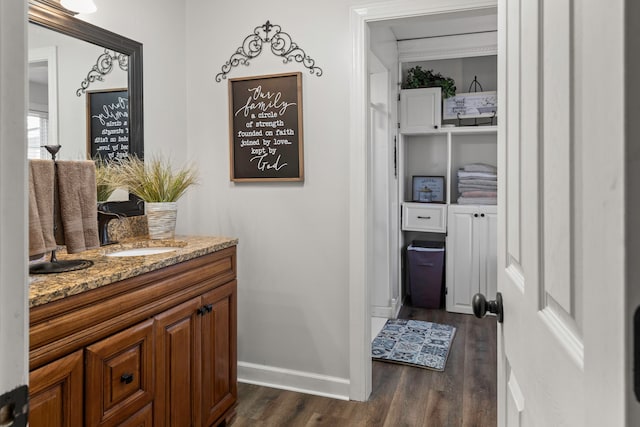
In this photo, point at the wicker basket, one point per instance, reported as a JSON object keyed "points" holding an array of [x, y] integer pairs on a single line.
{"points": [[161, 219]]}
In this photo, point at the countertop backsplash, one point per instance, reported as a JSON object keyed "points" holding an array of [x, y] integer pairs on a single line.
{"points": [[128, 227]]}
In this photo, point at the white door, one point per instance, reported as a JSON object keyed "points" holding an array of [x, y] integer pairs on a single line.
{"points": [[561, 348], [14, 313]]}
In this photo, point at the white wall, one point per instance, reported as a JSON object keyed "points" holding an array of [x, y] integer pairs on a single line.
{"points": [[385, 289], [160, 26], [293, 252], [13, 201]]}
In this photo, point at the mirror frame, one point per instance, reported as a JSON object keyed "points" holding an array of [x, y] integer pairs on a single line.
{"points": [[50, 14]]}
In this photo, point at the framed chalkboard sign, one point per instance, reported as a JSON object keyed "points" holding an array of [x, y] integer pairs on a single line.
{"points": [[265, 125], [108, 124]]}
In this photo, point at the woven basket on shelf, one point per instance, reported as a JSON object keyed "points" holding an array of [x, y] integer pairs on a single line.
{"points": [[161, 218]]}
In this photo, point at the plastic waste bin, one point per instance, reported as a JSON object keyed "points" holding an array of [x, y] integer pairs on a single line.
{"points": [[426, 273]]}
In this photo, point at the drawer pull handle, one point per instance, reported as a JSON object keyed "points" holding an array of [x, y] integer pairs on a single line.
{"points": [[126, 378], [424, 217], [205, 309]]}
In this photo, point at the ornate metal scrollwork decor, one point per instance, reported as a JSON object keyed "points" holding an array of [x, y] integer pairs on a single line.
{"points": [[281, 45], [103, 66]]}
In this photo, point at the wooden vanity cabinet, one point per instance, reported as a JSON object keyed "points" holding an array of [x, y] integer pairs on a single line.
{"points": [[55, 392], [195, 343], [154, 350]]}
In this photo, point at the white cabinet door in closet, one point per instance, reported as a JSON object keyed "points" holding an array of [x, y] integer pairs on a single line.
{"points": [[420, 110], [471, 255]]}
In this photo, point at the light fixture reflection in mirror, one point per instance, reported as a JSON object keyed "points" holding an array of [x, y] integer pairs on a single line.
{"points": [[79, 6]]}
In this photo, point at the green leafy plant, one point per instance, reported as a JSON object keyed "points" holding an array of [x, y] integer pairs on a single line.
{"points": [[154, 179], [417, 77]]}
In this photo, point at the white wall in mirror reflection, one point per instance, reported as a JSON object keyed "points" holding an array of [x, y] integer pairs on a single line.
{"points": [[72, 60]]}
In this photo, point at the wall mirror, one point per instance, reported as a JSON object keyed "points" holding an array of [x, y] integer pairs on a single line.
{"points": [[63, 50]]}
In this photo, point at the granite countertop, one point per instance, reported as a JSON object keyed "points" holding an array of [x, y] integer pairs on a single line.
{"points": [[45, 288]]}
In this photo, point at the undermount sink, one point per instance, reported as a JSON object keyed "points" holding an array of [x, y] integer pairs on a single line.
{"points": [[143, 251]]}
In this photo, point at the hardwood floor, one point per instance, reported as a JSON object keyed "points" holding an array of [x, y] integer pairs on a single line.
{"points": [[463, 395]]}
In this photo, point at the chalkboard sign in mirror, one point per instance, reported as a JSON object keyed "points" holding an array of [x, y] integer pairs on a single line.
{"points": [[108, 124], [265, 122]]}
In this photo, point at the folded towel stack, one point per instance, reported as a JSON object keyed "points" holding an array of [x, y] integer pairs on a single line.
{"points": [[75, 198], [478, 184]]}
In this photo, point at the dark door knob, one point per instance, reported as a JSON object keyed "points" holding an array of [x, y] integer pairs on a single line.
{"points": [[481, 306]]}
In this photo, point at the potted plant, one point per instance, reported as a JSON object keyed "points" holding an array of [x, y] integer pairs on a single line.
{"points": [[107, 180], [160, 186], [419, 78]]}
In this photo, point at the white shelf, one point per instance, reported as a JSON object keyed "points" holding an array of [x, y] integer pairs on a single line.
{"points": [[461, 130], [471, 130]]}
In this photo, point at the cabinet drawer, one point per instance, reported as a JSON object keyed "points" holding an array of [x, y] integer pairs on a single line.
{"points": [[422, 217], [119, 375]]}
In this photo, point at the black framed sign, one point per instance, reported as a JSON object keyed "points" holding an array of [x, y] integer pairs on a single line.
{"points": [[265, 125], [108, 124], [428, 189]]}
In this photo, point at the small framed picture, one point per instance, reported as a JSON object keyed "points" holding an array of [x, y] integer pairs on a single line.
{"points": [[428, 189]]}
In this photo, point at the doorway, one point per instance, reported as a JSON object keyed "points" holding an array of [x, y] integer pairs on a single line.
{"points": [[362, 203]]}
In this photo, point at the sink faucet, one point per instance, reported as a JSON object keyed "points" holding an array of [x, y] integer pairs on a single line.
{"points": [[104, 217]]}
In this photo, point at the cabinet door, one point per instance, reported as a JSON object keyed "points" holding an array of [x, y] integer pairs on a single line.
{"points": [[142, 418], [462, 278], [119, 380], [219, 383], [487, 232], [420, 110], [55, 395], [178, 376]]}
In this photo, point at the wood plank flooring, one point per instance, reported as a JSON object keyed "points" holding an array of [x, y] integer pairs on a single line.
{"points": [[463, 395]]}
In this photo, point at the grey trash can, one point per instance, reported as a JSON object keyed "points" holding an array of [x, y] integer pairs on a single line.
{"points": [[426, 273]]}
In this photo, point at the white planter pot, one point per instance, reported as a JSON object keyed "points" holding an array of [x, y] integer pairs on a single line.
{"points": [[161, 219]]}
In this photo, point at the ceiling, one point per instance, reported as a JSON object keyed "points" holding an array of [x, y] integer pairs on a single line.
{"points": [[438, 25]]}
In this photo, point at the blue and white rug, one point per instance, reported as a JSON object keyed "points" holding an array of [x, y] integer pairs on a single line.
{"points": [[414, 342]]}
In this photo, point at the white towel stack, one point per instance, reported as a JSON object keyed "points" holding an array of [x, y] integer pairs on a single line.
{"points": [[477, 184]]}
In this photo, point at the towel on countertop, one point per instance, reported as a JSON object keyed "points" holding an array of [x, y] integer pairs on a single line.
{"points": [[41, 176], [78, 204]]}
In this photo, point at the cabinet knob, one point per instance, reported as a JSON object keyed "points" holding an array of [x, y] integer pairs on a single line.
{"points": [[435, 126], [481, 306], [482, 215], [126, 378], [475, 215], [205, 309]]}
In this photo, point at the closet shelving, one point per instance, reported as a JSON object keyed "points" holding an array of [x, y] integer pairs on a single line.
{"points": [[427, 147]]}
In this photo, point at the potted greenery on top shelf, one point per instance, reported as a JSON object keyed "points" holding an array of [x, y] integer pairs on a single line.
{"points": [[419, 78]]}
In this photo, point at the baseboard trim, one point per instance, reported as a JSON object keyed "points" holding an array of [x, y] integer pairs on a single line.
{"points": [[390, 311], [381, 311], [298, 381]]}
